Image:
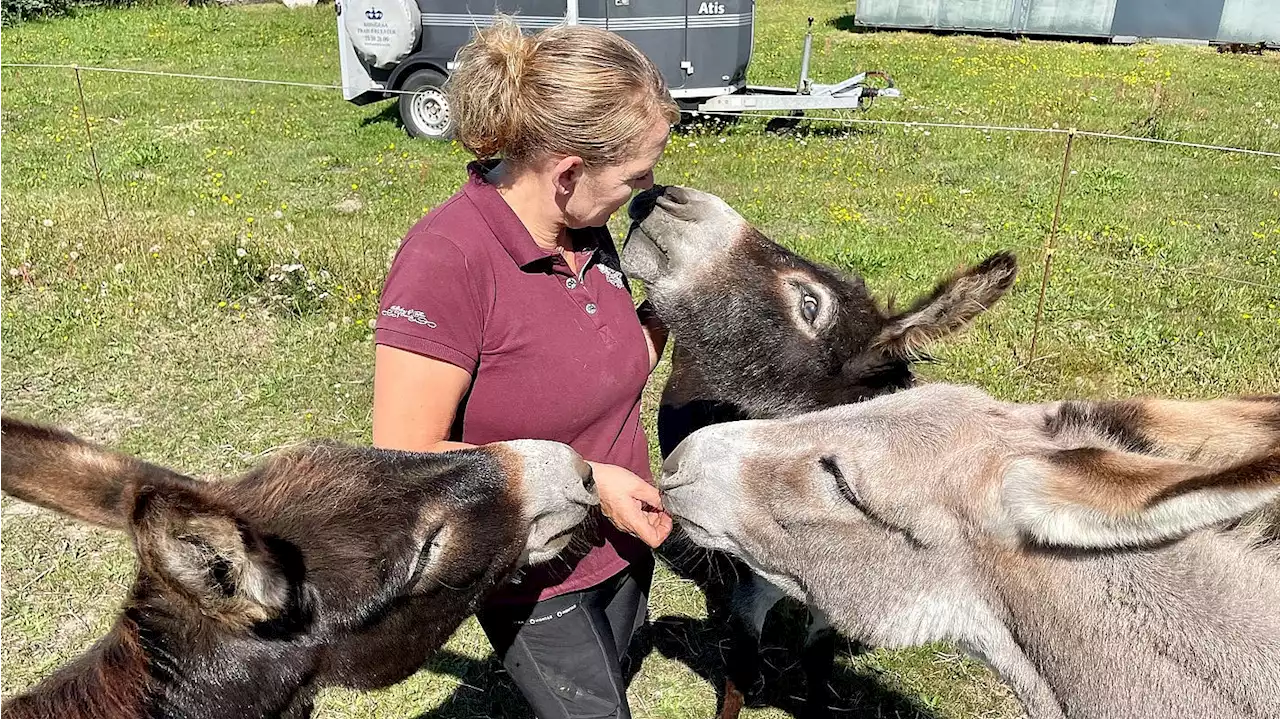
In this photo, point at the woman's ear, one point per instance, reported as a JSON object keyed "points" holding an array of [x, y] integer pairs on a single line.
{"points": [[566, 175]]}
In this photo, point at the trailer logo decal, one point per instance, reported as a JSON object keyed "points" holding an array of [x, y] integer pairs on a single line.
{"points": [[711, 8], [373, 14]]}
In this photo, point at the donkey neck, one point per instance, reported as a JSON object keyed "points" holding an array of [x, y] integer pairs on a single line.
{"points": [[696, 396], [1190, 629], [139, 670], [110, 680]]}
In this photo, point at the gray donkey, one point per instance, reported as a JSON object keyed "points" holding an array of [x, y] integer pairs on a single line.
{"points": [[1108, 559]]}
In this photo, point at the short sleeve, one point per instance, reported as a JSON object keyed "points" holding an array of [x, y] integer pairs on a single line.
{"points": [[431, 303]]}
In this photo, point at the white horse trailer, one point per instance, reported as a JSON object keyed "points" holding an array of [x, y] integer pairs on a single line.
{"points": [[405, 49]]}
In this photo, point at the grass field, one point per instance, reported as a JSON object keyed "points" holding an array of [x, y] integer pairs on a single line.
{"points": [[163, 332]]}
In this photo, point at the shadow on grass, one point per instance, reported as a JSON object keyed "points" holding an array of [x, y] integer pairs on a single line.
{"points": [[697, 644], [712, 126], [845, 23], [485, 690], [389, 113]]}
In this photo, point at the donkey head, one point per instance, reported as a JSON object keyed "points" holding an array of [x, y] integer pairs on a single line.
{"points": [[759, 327], [310, 548], [905, 490]]}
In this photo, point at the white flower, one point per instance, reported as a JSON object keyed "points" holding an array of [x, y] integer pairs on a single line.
{"points": [[277, 214], [240, 252], [75, 255], [47, 222], [154, 249], [191, 213], [290, 268]]}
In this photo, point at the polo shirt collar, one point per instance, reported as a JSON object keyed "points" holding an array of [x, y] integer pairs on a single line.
{"points": [[505, 224]]}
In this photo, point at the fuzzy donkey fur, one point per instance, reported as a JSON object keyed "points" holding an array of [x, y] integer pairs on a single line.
{"points": [[1110, 560], [759, 331], [326, 565]]}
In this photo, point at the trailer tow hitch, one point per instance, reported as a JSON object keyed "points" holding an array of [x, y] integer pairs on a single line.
{"points": [[855, 93]]}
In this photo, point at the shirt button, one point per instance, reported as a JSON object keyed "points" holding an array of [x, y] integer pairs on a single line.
{"points": [[591, 309], [570, 283]]}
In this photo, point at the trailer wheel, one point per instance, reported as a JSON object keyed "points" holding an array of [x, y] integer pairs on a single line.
{"points": [[426, 112]]}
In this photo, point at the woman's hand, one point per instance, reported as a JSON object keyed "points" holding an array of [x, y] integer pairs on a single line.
{"points": [[632, 504]]}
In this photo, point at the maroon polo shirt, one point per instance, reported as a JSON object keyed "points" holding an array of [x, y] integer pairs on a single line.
{"points": [[552, 354]]}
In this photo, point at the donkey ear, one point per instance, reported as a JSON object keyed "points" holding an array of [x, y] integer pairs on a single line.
{"points": [[1093, 498], [954, 303], [209, 555], [59, 471]]}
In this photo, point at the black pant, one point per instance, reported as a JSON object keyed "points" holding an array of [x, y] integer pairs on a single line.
{"points": [[568, 654]]}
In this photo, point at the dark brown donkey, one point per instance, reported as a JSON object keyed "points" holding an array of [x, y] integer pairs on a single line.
{"points": [[760, 332], [325, 565]]}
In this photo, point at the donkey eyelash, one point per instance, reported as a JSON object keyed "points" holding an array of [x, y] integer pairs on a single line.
{"points": [[829, 465]]}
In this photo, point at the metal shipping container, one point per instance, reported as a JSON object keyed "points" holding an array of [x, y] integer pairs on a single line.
{"points": [[1216, 21]]}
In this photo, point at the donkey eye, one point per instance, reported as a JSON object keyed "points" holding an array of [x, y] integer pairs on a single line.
{"points": [[832, 468], [809, 308]]}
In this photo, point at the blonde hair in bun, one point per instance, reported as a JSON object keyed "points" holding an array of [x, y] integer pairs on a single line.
{"points": [[568, 90]]}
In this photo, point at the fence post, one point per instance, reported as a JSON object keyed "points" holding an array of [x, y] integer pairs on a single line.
{"points": [[93, 155], [1050, 245]]}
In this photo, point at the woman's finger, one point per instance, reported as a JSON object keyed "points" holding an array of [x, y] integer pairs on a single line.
{"points": [[647, 493]]}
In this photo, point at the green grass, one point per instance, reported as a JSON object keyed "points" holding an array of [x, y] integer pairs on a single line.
{"points": [[151, 332]]}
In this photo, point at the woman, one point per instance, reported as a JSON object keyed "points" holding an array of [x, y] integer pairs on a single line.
{"points": [[505, 315]]}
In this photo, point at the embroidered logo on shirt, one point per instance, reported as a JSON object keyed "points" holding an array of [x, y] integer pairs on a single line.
{"points": [[614, 276], [415, 316]]}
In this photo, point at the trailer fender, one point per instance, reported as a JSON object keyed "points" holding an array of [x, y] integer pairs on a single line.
{"points": [[412, 64]]}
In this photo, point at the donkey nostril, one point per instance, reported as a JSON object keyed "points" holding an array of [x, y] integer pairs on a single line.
{"points": [[671, 464], [585, 472], [676, 195], [642, 205]]}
